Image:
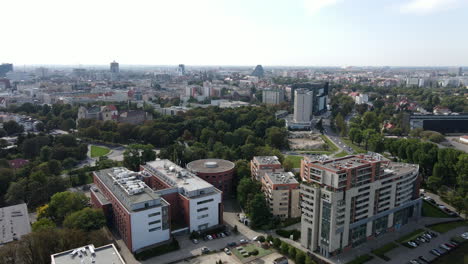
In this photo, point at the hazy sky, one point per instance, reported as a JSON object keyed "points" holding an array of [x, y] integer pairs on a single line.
{"points": [[235, 32]]}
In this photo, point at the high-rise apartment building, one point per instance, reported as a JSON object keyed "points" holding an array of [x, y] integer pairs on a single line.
{"points": [[114, 67], [281, 191], [272, 97], [303, 99], [347, 201]]}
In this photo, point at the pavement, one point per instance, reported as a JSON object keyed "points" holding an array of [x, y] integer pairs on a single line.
{"points": [[456, 144]]}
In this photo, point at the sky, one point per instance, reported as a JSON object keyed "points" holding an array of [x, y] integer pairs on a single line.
{"points": [[235, 32]]}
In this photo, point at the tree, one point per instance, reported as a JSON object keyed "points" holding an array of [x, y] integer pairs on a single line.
{"points": [[6, 177], [355, 134], [258, 210], [245, 190], [54, 166], [137, 154], [300, 258], [319, 126], [64, 203], [86, 219], [341, 124], [277, 137], [284, 248], [45, 153], [277, 242], [11, 127], [292, 252], [43, 224]]}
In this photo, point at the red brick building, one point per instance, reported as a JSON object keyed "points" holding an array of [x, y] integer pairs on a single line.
{"points": [[218, 172]]}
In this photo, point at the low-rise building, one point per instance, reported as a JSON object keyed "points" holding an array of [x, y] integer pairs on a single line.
{"points": [[218, 172], [14, 223], [107, 254]]}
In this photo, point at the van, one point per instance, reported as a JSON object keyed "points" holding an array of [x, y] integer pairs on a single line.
{"points": [[281, 260]]}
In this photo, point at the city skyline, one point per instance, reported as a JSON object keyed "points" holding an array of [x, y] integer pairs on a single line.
{"points": [[293, 33]]}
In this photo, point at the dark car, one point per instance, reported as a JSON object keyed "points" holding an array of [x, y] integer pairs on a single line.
{"points": [[423, 259], [232, 244]]}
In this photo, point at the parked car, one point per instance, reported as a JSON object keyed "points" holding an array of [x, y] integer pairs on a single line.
{"points": [[465, 235], [443, 246], [449, 245], [423, 259], [412, 244], [205, 250], [243, 241], [227, 251], [209, 237], [214, 236], [195, 241], [228, 233], [435, 253], [232, 244], [222, 234], [441, 251]]}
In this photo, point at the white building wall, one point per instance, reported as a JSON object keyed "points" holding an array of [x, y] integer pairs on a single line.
{"points": [[141, 236], [209, 217], [302, 105]]}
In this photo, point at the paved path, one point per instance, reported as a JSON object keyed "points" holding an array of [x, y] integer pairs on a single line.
{"points": [[439, 200]]}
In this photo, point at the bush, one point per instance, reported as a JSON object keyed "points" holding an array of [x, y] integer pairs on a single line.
{"points": [[159, 250], [254, 252], [287, 233]]}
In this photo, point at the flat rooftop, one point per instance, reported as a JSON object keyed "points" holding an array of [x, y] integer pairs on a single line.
{"points": [[176, 176], [347, 162], [264, 160], [281, 177], [127, 197], [210, 165], [107, 254], [14, 222]]}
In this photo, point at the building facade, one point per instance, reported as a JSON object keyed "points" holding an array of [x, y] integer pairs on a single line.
{"points": [[218, 172], [347, 201], [262, 164], [272, 97], [303, 106], [140, 214], [114, 67], [281, 190]]}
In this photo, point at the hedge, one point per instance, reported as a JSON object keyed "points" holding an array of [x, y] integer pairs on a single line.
{"points": [[159, 250], [287, 233]]}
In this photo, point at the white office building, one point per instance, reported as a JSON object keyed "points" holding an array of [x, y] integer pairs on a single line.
{"points": [[272, 97]]}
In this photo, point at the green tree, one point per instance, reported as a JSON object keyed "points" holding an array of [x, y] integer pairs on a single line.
{"points": [[54, 167], [292, 252], [43, 224], [11, 127], [246, 190], [45, 154], [284, 248], [355, 134], [86, 219], [64, 203], [300, 258], [258, 211], [277, 137]]}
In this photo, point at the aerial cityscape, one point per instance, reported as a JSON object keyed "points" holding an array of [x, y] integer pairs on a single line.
{"points": [[219, 132]]}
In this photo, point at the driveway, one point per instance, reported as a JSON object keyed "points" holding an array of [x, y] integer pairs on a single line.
{"points": [[438, 200]]}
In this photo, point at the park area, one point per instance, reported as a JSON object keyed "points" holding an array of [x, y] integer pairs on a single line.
{"points": [[98, 151], [249, 252]]}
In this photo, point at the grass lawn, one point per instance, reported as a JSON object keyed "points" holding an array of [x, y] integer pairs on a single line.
{"points": [[249, 248], [444, 227], [380, 252], [296, 160], [98, 151], [458, 255], [361, 259], [355, 147], [341, 154], [330, 144], [430, 210], [410, 236]]}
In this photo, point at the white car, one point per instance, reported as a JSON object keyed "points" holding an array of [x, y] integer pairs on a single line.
{"points": [[465, 235]]}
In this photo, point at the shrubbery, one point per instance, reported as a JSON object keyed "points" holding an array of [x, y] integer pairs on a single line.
{"points": [[287, 233], [159, 250]]}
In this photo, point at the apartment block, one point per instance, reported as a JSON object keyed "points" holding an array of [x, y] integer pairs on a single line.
{"points": [[349, 200], [262, 164], [160, 200], [281, 190]]}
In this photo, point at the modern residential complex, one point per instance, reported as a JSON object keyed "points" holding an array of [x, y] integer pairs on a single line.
{"points": [[107, 254], [146, 206], [272, 97], [218, 172], [281, 190], [262, 164], [347, 201]]}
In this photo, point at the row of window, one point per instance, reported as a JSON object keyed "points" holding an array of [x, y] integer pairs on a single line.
{"points": [[202, 209], [205, 201], [154, 214], [154, 229], [202, 216]]}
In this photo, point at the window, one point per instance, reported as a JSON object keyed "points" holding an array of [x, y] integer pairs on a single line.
{"points": [[205, 201], [154, 229], [202, 209], [154, 222], [154, 214], [202, 216]]}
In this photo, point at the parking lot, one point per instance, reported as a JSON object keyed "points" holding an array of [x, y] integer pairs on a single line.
{"points": [[404, 254]]}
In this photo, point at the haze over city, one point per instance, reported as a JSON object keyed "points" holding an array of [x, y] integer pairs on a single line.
{"points": [[208, 32]]}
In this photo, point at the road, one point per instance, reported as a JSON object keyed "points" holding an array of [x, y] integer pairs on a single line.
{"points": [[334, 137]]}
